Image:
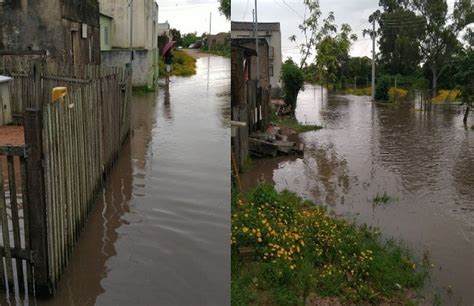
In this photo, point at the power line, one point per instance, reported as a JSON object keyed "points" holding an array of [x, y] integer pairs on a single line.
{"points": [[292, 9]]}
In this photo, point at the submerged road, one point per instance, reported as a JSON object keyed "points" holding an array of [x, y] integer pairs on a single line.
{"points": [[423, 160], [160, 232]]}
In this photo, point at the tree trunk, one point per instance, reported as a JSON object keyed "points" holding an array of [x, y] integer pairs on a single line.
{"points": [[466, 114], [435, 82]]}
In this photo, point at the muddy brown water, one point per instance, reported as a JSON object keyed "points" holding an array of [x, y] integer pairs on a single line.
{"points": [[423, 160], [160, 232]]}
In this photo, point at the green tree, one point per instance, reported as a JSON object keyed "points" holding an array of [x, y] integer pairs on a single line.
{"points": [[400, 31], [310, 29], [439, 44], [332, 50], [225, 8], [176, 36], [293, 81]]}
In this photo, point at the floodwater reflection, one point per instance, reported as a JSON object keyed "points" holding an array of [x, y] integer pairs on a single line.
{"points": [[424, 160], [160, 231]]}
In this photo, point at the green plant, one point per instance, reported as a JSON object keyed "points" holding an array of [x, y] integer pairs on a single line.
{"points": [[300, 249], [381, 89], [383, 199], [183, 65], [293, 81], [292, 123]]}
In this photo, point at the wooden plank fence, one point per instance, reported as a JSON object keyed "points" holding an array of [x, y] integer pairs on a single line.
{"points": [[71, 145], [14, 219], [256, 113]]}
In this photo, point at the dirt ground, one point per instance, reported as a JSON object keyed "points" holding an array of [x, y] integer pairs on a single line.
{"points": [[11, 135], [196, 53]]}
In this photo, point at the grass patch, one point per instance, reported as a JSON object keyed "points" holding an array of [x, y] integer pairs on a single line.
{"points": [[367, 91], [298, 250], [383, 199], [183, 65], [141, 90], [221, 50], [292, 123]]}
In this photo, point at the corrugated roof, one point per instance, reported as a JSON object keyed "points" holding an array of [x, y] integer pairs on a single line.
{"points": [[249, 26]]}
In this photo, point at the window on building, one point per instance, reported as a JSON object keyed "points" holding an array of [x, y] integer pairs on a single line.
{"points": [[106, 35], [272, 52], [271, 70]]}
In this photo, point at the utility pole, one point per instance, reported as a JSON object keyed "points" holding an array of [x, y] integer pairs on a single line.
{"points": [[373, 59], [256, 42], [131, 32], [210, 28]]}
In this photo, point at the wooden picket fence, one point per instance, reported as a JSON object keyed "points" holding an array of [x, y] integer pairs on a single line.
{"points": [[14, 219], [70, 146]]}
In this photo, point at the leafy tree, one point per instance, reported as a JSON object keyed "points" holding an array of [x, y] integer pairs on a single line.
{"points": [[310, 29], [225, 8], [333, 50], [189, 38], [400, 31], [293, 81], [176, 36], [439, 44]]}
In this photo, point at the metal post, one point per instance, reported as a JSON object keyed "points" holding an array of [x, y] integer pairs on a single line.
{"points": [[373, 59], [210, 28], [256, 42], [131, 32]]}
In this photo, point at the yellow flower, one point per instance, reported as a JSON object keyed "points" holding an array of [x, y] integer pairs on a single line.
{"points": [[245, 229], [259, 239]]}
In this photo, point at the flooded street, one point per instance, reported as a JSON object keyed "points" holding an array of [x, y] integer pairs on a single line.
{"points": [[160, 232], [424, 161]]}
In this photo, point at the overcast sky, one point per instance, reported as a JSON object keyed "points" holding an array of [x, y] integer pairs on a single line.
{"points": [[290, 14], [192, 15]]}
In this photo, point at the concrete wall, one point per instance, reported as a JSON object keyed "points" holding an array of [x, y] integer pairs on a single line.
{"points": [[143, 65], [274, 42], [145, 17], [52, 25], [144, 38]]}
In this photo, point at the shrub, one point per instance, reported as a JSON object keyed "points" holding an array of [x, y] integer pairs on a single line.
{"points": [[293, 81], [382, 88]]}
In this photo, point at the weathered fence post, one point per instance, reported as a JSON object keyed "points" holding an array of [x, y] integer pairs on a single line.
{"points": [[37, 197]]}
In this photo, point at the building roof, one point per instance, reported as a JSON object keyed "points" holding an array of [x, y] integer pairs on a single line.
{"points": [[249, 26], [105, 15]]}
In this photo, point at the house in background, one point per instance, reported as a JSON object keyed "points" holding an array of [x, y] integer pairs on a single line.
{"points": [[116, 15], [270, 31], [164, 35], [219, 39], [67, 31]]}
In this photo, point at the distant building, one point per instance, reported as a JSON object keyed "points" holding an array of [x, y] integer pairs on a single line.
{"points": [[164, 35], [67, 31], [116, 14], [218, 39], [272, 34], [164, 29]]}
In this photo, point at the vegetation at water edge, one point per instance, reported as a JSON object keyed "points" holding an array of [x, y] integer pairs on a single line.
{"points": [[183, 65], [291, 123], [285, 249]]}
